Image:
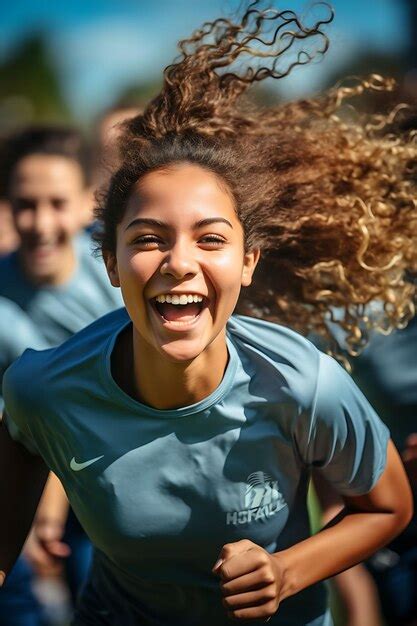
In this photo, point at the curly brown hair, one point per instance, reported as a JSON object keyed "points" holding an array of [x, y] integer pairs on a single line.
{"points": [[329, 200]]}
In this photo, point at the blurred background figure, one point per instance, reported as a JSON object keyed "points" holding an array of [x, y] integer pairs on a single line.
{"points": [[387, 374], [105, 140], [17, 332], [383, 591], [8, 235], [52, 275], [55, 281]]}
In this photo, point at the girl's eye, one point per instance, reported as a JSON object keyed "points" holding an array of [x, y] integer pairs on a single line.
{"points": [[147, 240], [212, 240]]}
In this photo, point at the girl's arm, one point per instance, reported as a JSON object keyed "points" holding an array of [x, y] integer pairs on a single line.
{"points": [[255, 582], [355, 586], [367, 523], [22, 479], [44, 547]]}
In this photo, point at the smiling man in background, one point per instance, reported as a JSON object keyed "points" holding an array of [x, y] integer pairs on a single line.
{"points": [[54, 279], [52, 275]]}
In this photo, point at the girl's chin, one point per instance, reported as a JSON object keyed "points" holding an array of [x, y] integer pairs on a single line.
{"points": [[182, 351]]}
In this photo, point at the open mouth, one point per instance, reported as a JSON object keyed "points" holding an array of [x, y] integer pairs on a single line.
{"points": [[41, 248], [180, 309]]}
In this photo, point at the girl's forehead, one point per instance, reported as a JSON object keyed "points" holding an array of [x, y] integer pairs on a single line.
{"points": [[184, 193]]}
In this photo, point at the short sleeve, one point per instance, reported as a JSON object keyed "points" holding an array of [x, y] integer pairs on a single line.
{"points": [[342, 436], [17, 333], [17, 414]]}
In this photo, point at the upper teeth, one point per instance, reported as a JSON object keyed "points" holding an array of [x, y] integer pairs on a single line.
{"points": [[179, 299]]}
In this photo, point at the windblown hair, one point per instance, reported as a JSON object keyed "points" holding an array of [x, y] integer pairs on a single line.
{"points": [[329, 200]]}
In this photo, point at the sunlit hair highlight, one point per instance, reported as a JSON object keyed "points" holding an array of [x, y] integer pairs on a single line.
{"points": [[328, 197]]}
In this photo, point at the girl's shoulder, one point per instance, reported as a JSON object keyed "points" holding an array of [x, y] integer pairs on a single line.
{"points": [[270, 350], [277, 342]]}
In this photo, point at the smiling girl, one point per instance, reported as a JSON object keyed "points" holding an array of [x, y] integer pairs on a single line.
{"points": [[184, 435]]}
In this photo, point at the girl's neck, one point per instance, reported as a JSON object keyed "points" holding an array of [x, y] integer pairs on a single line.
{"points": [[164, 384]]}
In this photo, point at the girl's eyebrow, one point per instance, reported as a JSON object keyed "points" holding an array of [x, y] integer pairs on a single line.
{"points": [[146, 221], [149, 221], [212, 220]]}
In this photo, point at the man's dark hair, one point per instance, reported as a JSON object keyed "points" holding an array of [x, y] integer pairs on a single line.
{"points": [[63, 141]]}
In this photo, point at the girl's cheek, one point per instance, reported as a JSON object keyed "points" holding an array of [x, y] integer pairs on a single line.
{"points": [[228, 272], [230, 258], [141, 266]]}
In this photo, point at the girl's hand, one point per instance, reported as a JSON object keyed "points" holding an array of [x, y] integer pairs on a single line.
{"points": [[44, 548], [251, 580]]}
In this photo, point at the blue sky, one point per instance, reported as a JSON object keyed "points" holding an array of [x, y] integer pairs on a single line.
{"points": [[101, 46]]}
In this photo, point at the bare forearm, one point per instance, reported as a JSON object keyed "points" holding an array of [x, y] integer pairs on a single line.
{"points": [[335, 549], [368, 522], [54, 503]]}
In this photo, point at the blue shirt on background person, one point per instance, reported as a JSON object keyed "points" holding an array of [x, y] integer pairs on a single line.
{"points": [[45, 316], [59, 311], [17, 332], [387, 373], [52, 277]]}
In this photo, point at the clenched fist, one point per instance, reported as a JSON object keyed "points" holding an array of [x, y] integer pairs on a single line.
{"points": [[251, 580]]}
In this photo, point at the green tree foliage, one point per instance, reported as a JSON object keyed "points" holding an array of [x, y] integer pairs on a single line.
{"points": [[30, 89]]}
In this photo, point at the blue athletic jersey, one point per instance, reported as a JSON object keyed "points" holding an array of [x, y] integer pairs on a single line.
{"points": [[159, 492], [60, 311]]}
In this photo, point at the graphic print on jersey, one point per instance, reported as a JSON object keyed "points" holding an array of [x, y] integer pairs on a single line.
{"points": [[262, 500]]}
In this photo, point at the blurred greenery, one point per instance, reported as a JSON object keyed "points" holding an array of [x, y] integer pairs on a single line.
{"points": [[30, 88], [314, 511]]}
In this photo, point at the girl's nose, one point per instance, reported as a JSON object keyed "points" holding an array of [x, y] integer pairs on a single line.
{"points": [[180, 262]]}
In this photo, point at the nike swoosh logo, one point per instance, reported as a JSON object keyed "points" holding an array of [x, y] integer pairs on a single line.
{"points": [[77, 467]]}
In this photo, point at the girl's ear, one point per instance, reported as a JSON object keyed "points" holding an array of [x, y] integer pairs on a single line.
{"points": [[250, 262], [110, 262]]}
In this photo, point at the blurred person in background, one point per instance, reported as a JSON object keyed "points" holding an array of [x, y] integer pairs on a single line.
{"points": [[54, 279], [384, 590], [8, 236], [12, 344], [387, 374], [52, 275], [107, 132], [18, 604]]}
